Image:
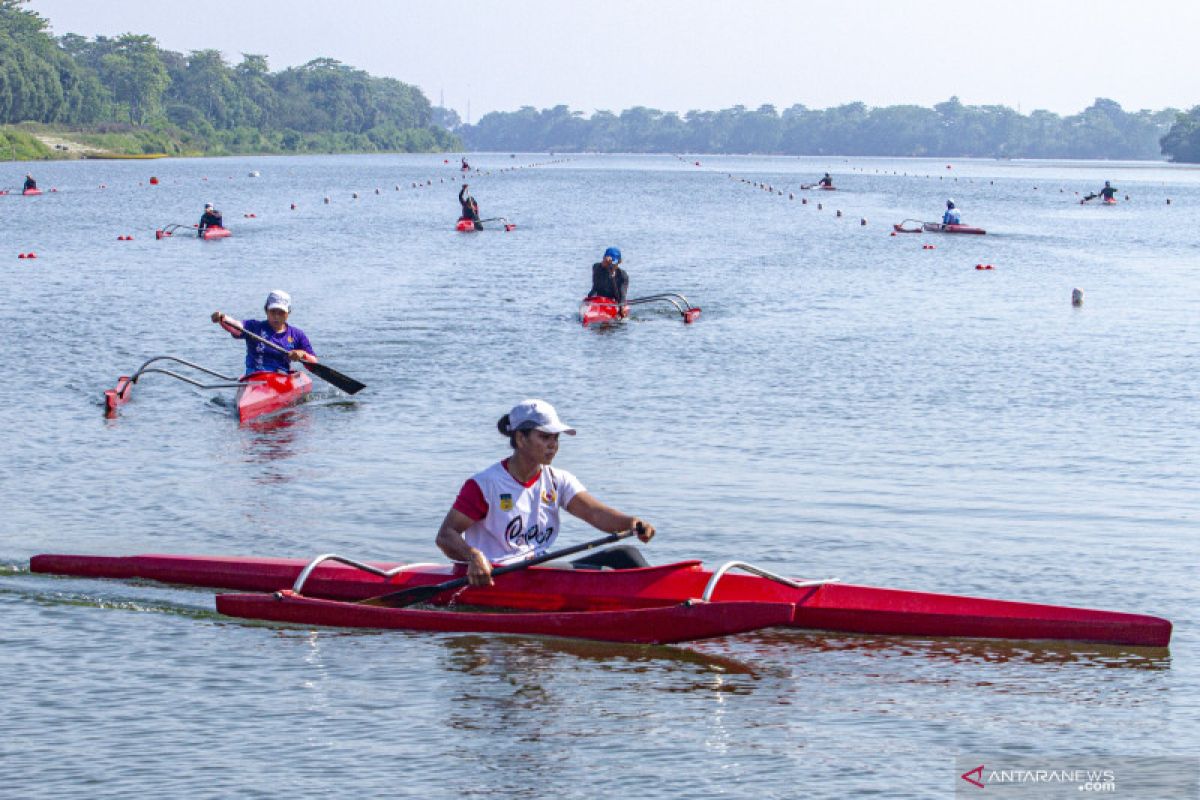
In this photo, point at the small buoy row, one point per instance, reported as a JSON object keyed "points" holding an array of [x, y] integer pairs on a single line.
{"points": [[769, 189], [27, 255], [124, 238], [983, 266], [255, 216]]}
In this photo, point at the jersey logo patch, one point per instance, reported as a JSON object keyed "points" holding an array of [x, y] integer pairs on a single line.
{"points": [[506, 503], [548, 496]]}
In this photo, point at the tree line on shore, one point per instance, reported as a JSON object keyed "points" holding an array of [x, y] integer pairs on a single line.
{"points": [[197, 102], [1102, 131], [127, 93]]}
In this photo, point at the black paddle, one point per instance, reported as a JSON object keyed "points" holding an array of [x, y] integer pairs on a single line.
{"points": [[419, 594], [343, 382]]}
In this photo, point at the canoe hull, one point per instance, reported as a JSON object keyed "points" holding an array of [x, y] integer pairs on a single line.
{"points": [[31, 192], [937, 227], [265, 393], [215, 232], [661, 624], [837, 607], [599, 311]]}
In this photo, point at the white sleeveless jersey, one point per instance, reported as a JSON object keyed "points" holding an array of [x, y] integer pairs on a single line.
{"points": [[521, 521]]}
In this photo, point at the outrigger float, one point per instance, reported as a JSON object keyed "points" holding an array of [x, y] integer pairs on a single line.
{"points": [[667, 603], [604, 310]]}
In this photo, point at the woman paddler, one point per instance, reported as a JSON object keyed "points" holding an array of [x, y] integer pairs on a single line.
{"points": [[470, 209], [275, 328], [509, 511], [609, 280], [211, 218], [951, 217], [30, 183]]}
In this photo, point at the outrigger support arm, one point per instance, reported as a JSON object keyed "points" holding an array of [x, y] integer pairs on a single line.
{"points": [[681, 303], [386, 574], [145, 368], [753, 570]]}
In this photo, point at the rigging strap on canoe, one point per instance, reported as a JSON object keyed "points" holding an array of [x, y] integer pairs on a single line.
{"points": [[718, 573], [350, 562]]}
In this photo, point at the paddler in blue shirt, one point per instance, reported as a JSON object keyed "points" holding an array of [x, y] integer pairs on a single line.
{"points": [[470, 209], [951, 217], [609, 280], [275, 328], [826, 181], [30, 183], [1108, 193], [211, 218]]}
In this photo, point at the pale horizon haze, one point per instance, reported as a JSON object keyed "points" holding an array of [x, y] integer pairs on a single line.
{"points": [[680, 56]]}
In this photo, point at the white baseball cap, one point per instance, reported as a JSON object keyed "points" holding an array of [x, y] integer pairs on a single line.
{"points": [[278, 298], [539, 415], [208, 205]]}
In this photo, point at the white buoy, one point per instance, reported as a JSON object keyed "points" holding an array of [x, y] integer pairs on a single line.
{"points": [[1077, 297], [254, 173]]}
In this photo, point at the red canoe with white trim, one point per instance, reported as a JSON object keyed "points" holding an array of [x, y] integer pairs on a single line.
{"points": [[654, 624], [828, 606], [31, 192], [265, 393], [215, 232]]}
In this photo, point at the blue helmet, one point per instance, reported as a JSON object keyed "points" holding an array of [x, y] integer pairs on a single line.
{"points": [[613, 253]]}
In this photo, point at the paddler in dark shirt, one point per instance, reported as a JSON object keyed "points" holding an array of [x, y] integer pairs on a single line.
{"points": [[470, 209], [826, 181], [211, 218], [609, 280], [30, 183], [1108, 192]]}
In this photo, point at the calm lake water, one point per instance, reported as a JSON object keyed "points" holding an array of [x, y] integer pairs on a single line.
{"points": [[849, 404]]}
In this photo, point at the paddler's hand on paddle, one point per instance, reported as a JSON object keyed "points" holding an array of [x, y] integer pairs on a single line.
{"points": [[302, 355], [645, 531], [479, 569], [217, 317]]}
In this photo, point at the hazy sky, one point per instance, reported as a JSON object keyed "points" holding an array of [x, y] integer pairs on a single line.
{"points": [[677, 55]]}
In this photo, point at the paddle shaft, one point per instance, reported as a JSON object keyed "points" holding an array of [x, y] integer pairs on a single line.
{"points": [[407, 597], [343, 382]]}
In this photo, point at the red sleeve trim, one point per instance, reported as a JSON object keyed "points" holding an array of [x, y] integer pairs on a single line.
{"points": [[470, 501]]}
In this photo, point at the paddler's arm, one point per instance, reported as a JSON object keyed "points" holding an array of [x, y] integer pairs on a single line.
{"points": [[221, 320], [609, 520], [451, 542]]}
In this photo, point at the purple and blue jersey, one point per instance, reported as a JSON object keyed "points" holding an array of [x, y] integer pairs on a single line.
{"points": [[260, 358]]}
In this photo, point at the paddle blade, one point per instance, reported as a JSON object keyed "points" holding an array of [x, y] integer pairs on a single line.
{"points": [[405, 597], [331, 375]]}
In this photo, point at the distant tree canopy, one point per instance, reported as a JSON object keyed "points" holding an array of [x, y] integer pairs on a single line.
{"points": [[1182, 142], [1102, 130], [322, 105]]}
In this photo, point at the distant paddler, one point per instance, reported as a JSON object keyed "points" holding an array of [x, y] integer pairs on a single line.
{"points": [[1107, 195], [509, 512], [275, 329], [826, 181], [470, 209], [610, 281], [30, 183], [465, 166], [211, 218], [951, 217]]}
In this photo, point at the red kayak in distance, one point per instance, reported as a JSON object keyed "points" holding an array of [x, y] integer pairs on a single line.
{"points": [[826, 605], [465, 226], [263, 393], [31, 192], [934, 227]]}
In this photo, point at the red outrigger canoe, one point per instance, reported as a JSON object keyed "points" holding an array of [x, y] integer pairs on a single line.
{"points": [[31, 192], [258, 394], [936, 227], [214, 232], [826, 605], [604, 310]]}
